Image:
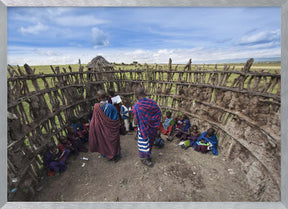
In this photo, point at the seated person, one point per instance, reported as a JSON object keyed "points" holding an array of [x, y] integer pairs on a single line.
{"points": [[65, 144], [192, 138], [76, 124], [76, 141], [209, 136], [183, 132], [79, 130], [85, 124], [55, 160], [167, 124], [202, 146]]}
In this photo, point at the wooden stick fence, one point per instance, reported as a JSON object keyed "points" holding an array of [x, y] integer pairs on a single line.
{"points": [[243, 106]]}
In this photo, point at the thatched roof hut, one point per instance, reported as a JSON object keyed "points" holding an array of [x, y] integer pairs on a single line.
{"points": [[99, 63]]}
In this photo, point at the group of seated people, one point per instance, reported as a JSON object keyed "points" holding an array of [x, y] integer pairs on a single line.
{"points": [[55, 159], [188, 135]]}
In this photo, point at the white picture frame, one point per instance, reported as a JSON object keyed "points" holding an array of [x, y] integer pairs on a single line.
{"points": [[140, 3]]}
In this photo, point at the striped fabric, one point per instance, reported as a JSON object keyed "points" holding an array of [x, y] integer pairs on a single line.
{"points": [[144, 146]]}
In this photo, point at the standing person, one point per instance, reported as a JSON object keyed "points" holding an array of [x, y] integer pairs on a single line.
{"points": [[147, 116], [125, 115], [104, 136]]}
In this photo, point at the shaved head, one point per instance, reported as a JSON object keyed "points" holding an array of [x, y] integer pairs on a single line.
{"points": [[140, 92], [101, 94]]}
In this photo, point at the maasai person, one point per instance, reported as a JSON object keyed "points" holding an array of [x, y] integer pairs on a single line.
{"points": [[79, 130], [125, 115], [111, 94], [192, 138], [76, 141], [147, 115], [104, 135], [202, 146], [85, 124], [210, 137], [167, 124], [76, 124], [183, 132], [55, 160], [64, 144]]}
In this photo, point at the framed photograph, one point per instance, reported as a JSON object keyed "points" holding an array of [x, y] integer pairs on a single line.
{"points": [[99, 38]]}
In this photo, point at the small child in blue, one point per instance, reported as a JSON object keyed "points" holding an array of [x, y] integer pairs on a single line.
{"points": [[206, 140]]}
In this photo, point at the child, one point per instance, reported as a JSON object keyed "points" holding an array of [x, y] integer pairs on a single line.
{"points": [[181, 132], [202, 146], [84, 133], [85, 124], [209, 136], [78, 128], [125, 115], [192, 138], [55, 160], [75, 140], [167, 125], [65, 144]]}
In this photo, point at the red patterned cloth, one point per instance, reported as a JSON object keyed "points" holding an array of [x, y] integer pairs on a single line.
{"points": [[148, 116], [104, 135]]}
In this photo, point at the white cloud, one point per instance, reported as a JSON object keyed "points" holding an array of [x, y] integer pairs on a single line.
{"points": [[70, 55], [260, 37], [35, 29], [99, 38]]}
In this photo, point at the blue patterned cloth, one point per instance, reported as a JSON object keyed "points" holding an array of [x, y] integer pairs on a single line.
{"points": [[148, 116], [212, 139], [111, 111]]}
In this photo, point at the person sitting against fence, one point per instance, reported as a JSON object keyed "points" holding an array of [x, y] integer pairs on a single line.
{"points": [[182, 131], [104, 134], [76, 123], [202, 146], [85, 124], [55, 160], [192, 138], [76, 141], [179, 120], [64, 144], [79, 130], [167, 125], [208, 139]]}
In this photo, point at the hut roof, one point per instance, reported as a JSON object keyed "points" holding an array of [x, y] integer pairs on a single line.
{"points": [[99, 62]]}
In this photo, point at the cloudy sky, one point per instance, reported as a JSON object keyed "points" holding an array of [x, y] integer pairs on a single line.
{"points": [[44, 36]]}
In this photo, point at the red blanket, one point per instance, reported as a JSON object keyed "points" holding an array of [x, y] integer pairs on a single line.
{"points": [[104, 136]]}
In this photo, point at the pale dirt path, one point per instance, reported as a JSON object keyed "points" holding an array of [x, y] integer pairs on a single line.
{"points": [[178, 175]]}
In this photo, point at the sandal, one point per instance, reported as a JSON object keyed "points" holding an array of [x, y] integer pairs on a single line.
{"points": [[147, 162]]}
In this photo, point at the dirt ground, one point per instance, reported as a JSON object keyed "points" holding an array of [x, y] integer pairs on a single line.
{"points": [[177, 175]]}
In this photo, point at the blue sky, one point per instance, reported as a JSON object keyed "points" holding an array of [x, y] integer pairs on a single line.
{"points": [[62, 35]]}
